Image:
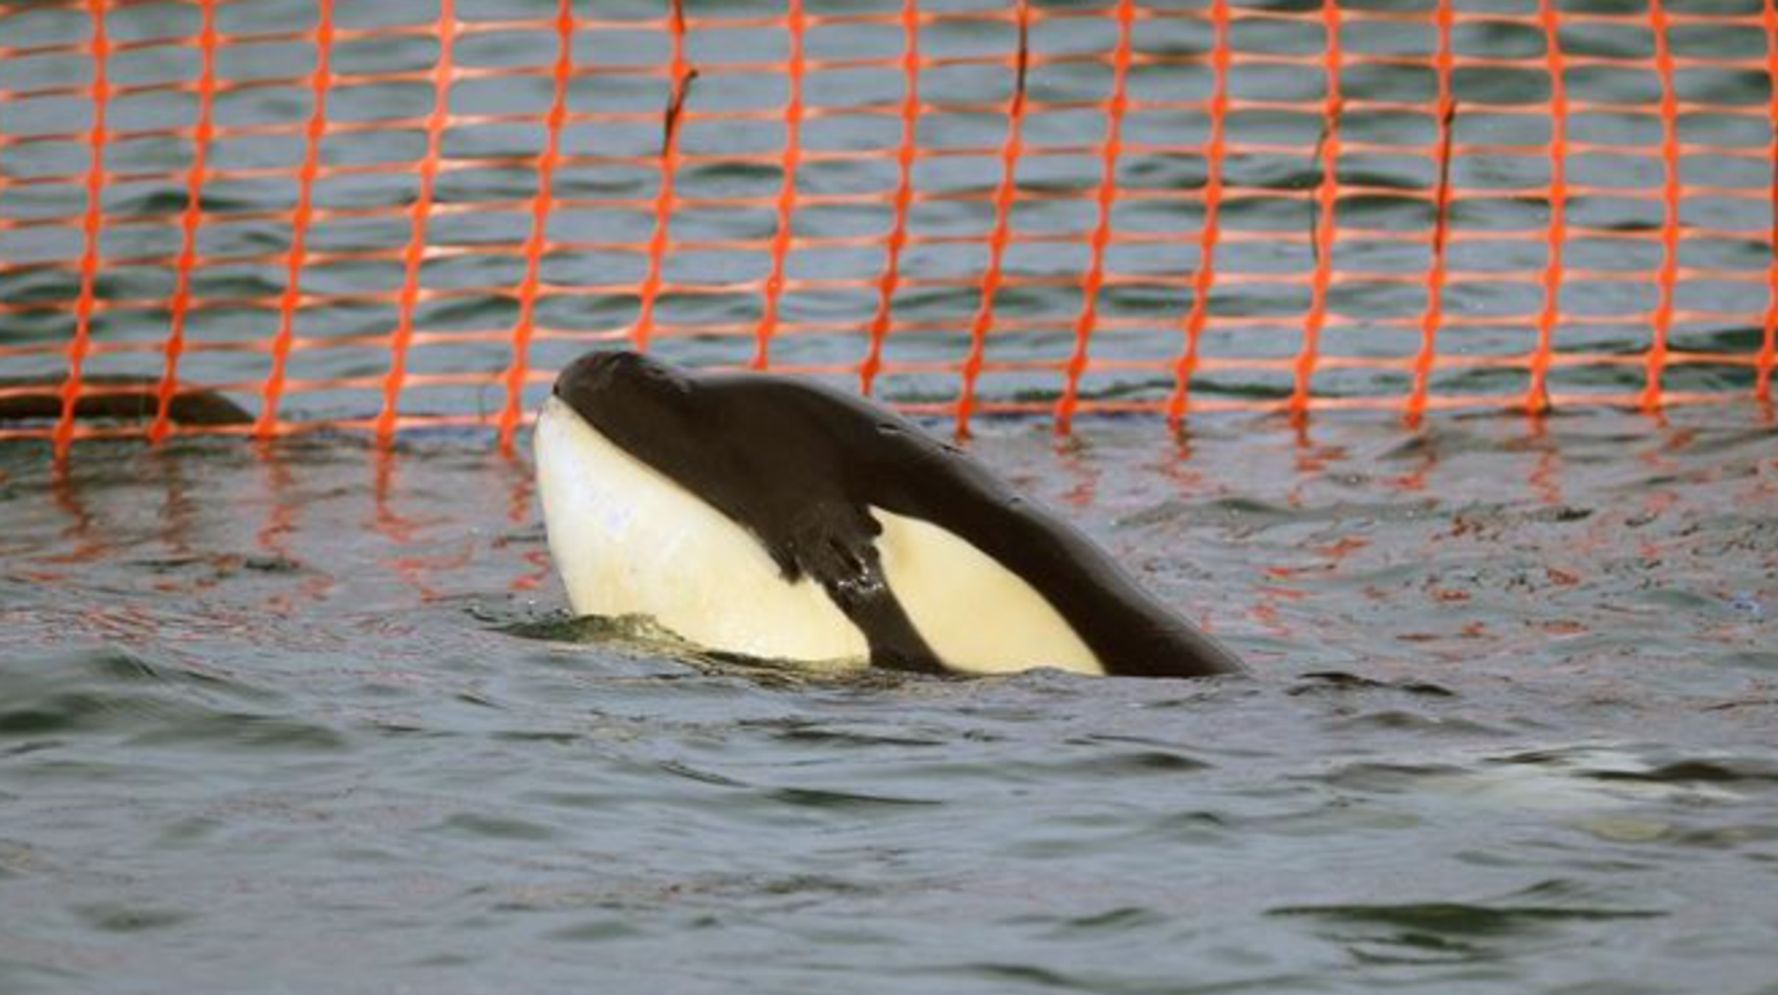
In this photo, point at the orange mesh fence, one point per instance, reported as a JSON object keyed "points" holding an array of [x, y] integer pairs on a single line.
{"points": [[411, 213]]}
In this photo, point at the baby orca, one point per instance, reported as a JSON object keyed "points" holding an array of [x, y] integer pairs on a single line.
{"points": [[776, 518]]}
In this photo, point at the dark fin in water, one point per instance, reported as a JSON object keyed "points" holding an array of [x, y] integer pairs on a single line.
{"points": [[124, 398]]}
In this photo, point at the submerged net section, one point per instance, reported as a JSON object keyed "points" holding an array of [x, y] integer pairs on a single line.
{"points": [[413, 212]]}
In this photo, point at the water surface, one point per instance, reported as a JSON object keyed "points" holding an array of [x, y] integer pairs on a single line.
{"points": [[307, 718]]}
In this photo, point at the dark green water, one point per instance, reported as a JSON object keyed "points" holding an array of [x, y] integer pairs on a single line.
{"points": [[282, 720]]}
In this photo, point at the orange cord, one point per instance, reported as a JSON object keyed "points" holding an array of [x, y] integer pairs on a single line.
{"points": [[1324, 202], [1210, 231], [1094, 278], [190, 218], [1768, 353], [1434, 314], [1217, 250], [680, 76], [537, 243], [1668, 277], [904, 197], [1555, 236], [91, 228], [786, 204], [998, 240], [414, 256]]}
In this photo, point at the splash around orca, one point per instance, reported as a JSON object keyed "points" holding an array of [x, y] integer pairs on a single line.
{"points": [[776, 518]]}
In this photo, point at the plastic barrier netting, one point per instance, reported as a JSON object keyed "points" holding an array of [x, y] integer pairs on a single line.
{"points": [[382, 215]]}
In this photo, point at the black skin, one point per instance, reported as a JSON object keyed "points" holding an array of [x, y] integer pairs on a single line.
{"points": [[798, 464], [126, 398]]}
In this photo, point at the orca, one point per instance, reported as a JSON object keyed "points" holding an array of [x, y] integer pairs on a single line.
{"points": [[772, 517]]}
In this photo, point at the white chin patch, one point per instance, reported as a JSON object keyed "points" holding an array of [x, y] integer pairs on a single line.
{"points": [[629, 541]]}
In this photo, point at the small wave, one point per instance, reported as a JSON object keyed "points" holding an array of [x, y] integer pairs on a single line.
{"points": [[111, 691]]}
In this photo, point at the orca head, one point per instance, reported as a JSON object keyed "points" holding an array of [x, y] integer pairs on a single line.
{"points": [[620, 391], [652, 410], [646, 492]]}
